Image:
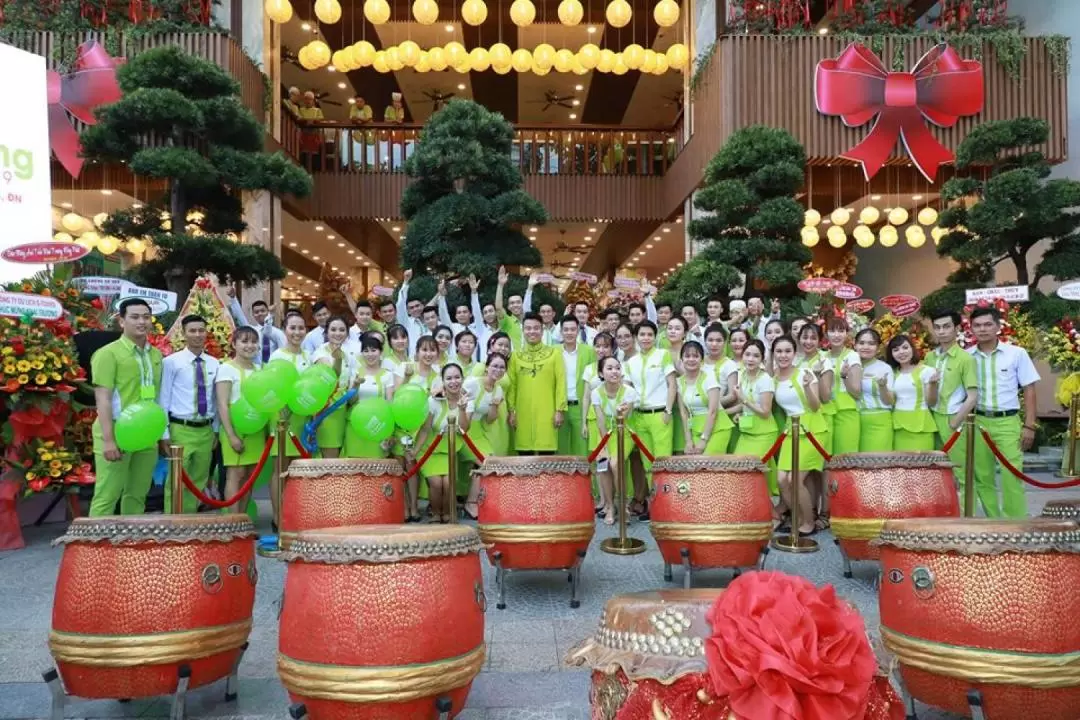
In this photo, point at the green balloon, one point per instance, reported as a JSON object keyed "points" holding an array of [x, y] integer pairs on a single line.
{"points": [[310, 395], [246, 419], [372, 419], [323, 372], [410, 407], [264, 391], [284, 370], [139, 426]]}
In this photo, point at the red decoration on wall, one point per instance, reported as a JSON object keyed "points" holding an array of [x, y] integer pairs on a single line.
{"points": [[941, 88], [90, 84]]}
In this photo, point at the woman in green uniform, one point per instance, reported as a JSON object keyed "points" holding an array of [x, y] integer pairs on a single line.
{"points": [[614, 399], [437, 467], [875, 395], [757, 424], [915, 390], [371, 380], [706, 427], [239, 453], [330, 434]]}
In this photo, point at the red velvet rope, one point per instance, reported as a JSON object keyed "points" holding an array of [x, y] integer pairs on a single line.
{"points": [[817, 446], [299, 446], [1019, 474], [641, 446], [475, 451], [774, 449], [599, 448], [427, 453], [220, 504], [951, 441]]}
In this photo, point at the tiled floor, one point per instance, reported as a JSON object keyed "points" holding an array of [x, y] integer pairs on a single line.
{"points": [[524, 678]]}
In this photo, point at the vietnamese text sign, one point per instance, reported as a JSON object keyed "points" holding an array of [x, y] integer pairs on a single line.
{"points": [[861, 306], [1008, 293], [901, 305], [818, 285], [583, 277], [1069, 291], [545, 278], [100, 285], [25, 186], [164, 298], [847, 291], [382, 291], [38, 307], [44, 252], [627, 283]]}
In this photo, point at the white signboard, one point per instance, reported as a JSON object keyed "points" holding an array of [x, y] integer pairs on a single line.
{"points": [[1069, 291], [37, 307], [1009, 293], [97, 285], [160, 300], [25, 186]]}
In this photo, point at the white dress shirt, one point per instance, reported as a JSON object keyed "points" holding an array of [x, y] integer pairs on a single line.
{"points": [[275, 338], [177, 396], [569, 360], [314, 340], [649, 374], [1001, 373]]}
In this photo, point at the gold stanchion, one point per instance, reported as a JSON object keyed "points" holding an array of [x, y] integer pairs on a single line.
{"points": [[277, 487], [794, 543], [451, 473], [621, 545], [1074, 425], [176, 470], [969, 466]]}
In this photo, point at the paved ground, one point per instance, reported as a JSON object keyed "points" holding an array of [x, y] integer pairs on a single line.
{"points": [[524, 678]]}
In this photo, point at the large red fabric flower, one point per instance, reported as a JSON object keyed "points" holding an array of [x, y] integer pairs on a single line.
{"points": [[783, 649]]}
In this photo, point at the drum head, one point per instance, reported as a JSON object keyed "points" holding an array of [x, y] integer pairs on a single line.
{"points": [[159, 528], [976, 536], [382, 543], [887, 460], [708, 463], [1062, 509], [321, 467], [533, 465]]}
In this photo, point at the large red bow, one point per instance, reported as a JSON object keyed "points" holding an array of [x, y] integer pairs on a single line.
{"points": [[90, 83], [941, 88]]}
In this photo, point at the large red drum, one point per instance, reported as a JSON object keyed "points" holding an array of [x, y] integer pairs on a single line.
{"points": [[537, 511], [137, 597], [978, 604], [380, 621], [718, 508], [339, 492], [867, 489], [1062, 510]]}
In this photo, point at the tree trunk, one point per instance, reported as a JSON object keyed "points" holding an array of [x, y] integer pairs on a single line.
{"points": [[176, 207], [180, 281], [1022, 276]]}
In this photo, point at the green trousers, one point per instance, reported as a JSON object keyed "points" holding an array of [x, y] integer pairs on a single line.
{"points": [[570, 440], [198, 444], [127, 480], [958, 453], [656, 435], [1005, 432]]}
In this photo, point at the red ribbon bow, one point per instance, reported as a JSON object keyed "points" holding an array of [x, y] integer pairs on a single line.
{"points": [[90, 84], [941, 88]]}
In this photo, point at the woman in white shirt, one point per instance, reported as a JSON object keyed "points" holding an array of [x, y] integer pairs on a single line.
{"points": [[613, 400], [847, 379], [465, 351], [915, 387], [239, 453], [754, 409], [653, 374], [707, 428], [488, 430], [397, 357], [625, 346], [437, 468], [875, 395], [330, 435], [371, 380], [444, 338], [604, 345], [293, 352]]}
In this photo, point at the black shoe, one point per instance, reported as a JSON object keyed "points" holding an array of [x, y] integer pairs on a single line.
{"points": [[273, 527]]}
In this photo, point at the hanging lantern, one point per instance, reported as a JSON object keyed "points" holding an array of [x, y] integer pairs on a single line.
{"points": [[898, 216], [633, 55], [423, 65], [864, 236], [539, 70], [362, 53], [108, 245], [393, 58], [869, 215], [522, 12], [620, 67], [63, 237], [426, 12], [340, 60], [618, 13], [409, 52], [86, 243], [90, 239], [437, 59], [328, 11], [938, 233], [304, 58], [666, 13], [928, 216], [73, 223], [678, 56], [837, 237], [915, 236], [502, 69], [377, 11], [570, 12], [607, 61], [100, 219], [812, 218], [648, 64], [588, 56], [479, 60], [500, 55], [136, 245], [564, 60], [888, 236], [455, 53], [810, 236], [279, 11], [543, 56], [577, 68], [379, 63], [521, 60], [662, 64], [320, 52], [464, 67], [474, 12], [840, 216]]}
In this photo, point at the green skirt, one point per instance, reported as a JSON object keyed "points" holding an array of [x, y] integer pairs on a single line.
{"points": [[845, 432], [296, 428], [719, 440], [496, 433], [356, 447], [678, 439], [331, 431], [914, 441], [757, 445], [809, 457], [253, 447], [876, 431]]}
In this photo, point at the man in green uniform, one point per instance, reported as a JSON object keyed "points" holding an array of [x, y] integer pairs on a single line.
{"points": [[959, 386], [576, 357], [510, 322], [537, 397], [125, 371]]}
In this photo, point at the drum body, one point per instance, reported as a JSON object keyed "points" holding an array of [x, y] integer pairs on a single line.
{"points": [[978, 604], [139, 596], [380, 621], [536, 511], [866, 489], [1062, 510], [717, 507], [339, 492]]}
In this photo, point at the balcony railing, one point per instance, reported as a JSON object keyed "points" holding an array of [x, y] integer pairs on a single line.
{"points": [[382, 148]]}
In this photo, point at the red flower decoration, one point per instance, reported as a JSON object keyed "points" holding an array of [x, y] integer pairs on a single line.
{"points": [[783, 649]]}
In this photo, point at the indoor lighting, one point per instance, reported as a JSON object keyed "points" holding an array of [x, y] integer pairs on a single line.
{"points": [[836, 236], [328, 11], [532, 237], [864, 236], [342, 85], [579, 88], [928, 216], [316, 257], [809, 235], [292, 244], [448, 28], [106, 192], [588, 238], [279, 11], [916, 197], [426, 12], [812, 218], [570, 12], [875, 197], [888, 236], [319, 228], [341, 244], [532, 229], [840, 216], [461, 86], [377, 11], [351, 252], [823, 31], [591, 30], [305, 251], [573, 116], [331, 237], [667, 229], [898, 216], [618, 13], [305, 27], [649, 246], [474, 12], [592, 230], [869, 215], [666, 13]]}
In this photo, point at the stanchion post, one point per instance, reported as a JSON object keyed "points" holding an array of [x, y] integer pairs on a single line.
{"points": [[969, 466], [621, 545], [451, 474], [176, 471], [279, 470], [1074, 425], [794, 543]]}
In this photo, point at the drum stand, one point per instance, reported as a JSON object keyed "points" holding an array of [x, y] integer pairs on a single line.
{"points": [[688, 569], [974, 698], [876, 583], [178, 710], [573, 571], [443, 705]]}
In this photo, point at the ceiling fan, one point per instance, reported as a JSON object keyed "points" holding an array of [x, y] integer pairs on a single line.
{"points": [[565, 248], [437, 98], [320, 98], [289, 56], [552, 98], [674, 100]]}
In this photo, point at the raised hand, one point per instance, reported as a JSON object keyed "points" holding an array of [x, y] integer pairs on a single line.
{"points": [[407, 276], [474, 283], [503, 275]]}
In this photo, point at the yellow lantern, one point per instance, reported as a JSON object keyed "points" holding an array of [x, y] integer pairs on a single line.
{"points": [[618, 13], [837, 237], [864, 236], [63, 237], [86, 243], [90, 239], [108, 245], [915, 236], [666, 13], [73, 222], [328, 11], [393, 58], [362, 53], [479, 60], [437, 59], [500, 55], [409, 52], [136, 245], [840, 216], [927, 216], [648, 65], [340, 60], [539, 70], [304, 58], [661, 64], [423, 65], [633, 55], [564, 60], [570, 13], [522, 12], [521, 60], [320, 52], [501, 69], [588, 56], [464, 67], [100, 219], [938, 233], [426, 12], [620, 67], [869, 215], [607, 61], [812, 218], [678, 56], [455, 53], [543, 56], [888, 236], [474, 12], [898, 216], [379, 63], [810, 236], [279, 11], [377, 11], [577, 68]]}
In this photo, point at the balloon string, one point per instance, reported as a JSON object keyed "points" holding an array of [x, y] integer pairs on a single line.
{"points": [[312, 425]]}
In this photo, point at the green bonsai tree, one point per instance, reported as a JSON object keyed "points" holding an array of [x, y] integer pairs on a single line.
{"points": [[751, 234], [180, 120]]}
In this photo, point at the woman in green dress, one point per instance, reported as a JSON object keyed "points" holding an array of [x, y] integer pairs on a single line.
{"points": [[847, 378], [604, 345], [706, 426], [875, 395], [371, 380], [239, 453], [754, 395], [915, 390], [614, 399], [330, 435], [437, 468], [488, 431], [424, 374], [293, 352], [465, 351]]}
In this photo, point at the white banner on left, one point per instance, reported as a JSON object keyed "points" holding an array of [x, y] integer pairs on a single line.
{"points": [[25, 185]]}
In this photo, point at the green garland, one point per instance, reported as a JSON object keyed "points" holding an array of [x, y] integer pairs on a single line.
{"points": [[1057, 46], [700, 63]]}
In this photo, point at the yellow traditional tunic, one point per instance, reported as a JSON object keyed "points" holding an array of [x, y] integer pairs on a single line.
{"points": [[537, 392]]}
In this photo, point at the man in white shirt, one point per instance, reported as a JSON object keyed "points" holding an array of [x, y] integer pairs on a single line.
{"points": [[693, 323], [577, 356], [586, 334], [1002, 370], [316, 338], [270, 337], [552, 332], [410, 312], [187, 397]]}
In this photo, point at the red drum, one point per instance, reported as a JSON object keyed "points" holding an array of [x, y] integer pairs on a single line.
{"points": [[867, 489], [338, 492], [978, 604], [537, 511], [380, 621], [718, 508], [137, 597], [1062, 510]]}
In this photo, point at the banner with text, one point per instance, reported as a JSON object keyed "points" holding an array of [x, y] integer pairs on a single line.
{"points": [[1008, 293]]}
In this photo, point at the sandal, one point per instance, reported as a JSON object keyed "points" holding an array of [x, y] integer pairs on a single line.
{"points": [[822, 522], [469, 513], [609, 517]]}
